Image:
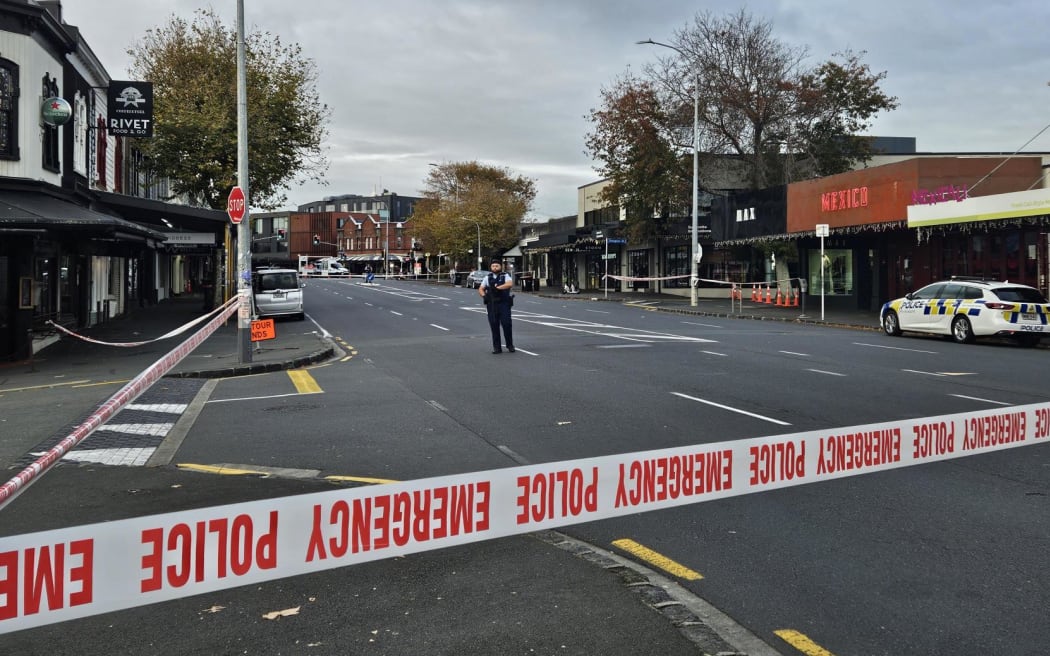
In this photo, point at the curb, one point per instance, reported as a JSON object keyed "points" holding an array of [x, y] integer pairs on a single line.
{"points": [[257, 368]]}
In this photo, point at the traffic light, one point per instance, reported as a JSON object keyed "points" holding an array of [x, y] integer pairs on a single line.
{"points": [[317, 240], [280, 233]]}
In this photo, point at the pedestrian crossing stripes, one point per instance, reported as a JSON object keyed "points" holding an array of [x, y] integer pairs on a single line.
{"points": [[134, 433]]}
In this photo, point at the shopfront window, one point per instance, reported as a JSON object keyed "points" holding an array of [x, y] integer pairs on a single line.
{"points": [[676, 263], [838, 272]]}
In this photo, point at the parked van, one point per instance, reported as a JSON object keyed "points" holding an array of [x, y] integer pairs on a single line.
{"points": [[278, 293]]}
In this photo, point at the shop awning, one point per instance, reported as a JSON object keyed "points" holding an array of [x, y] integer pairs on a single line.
{"points": [[28, 209], [514, 252]]}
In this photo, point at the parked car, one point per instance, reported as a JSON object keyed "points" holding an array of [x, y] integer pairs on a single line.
{"points": [[475, 278], [966, 308], [278, 293]]}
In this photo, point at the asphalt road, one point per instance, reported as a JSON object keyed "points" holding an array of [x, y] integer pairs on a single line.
{"points": [[933, 560], [938, 559]]}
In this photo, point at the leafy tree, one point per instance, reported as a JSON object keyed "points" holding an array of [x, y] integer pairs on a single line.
{"points": [[193, 68], [461, 198], [760, 106], [835, 103], [633, 142]]}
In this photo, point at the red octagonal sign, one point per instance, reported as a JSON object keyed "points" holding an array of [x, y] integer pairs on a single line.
{"points": [[235, 205]]}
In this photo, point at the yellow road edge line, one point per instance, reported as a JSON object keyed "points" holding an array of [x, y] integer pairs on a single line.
{"points": [[346, 358], [104, 382], [211, 469], [802, 643], [360, 479], [304, 382], [38, 387], [655, 559]]}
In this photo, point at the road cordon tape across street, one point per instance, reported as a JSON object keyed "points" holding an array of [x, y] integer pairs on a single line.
{"points": [[64, 574]]}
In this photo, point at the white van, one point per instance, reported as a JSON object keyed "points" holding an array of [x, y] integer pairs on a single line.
{"points": [[278, 293]]}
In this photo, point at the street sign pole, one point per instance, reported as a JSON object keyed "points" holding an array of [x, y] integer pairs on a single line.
{"points": [[244, 266], [822, 232]]}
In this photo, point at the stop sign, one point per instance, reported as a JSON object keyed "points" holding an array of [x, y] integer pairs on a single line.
{"points": [[235, 205]]}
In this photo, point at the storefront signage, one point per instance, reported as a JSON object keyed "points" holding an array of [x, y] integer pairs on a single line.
{"points": [[939, 195], [745, 214], [845, 199], [55, 111], [1035, 202], [129, 109], [189, 238]]}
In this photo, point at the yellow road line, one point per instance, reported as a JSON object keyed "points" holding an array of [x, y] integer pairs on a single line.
{"points": [[104, 382], [655, 559], [210, 469], [304, 382], [38, 387], [360, 479], [802, 643]]}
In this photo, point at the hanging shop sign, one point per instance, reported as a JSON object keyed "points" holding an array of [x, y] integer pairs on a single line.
{"points": [[1014, 205], [130, 109], [55, 111]]}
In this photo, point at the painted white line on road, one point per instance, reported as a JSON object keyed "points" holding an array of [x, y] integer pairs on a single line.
{"points": [[924, 373], [894, 348], [827, 373], [731, 409], [156, 430], [521, 350], [324, 333], [598, 311], [804, 355], [369, 304], [705, 325], [439, 327], [261, 398], [721, 355], [171, 408], [623, 346], [397, 313], [975, 398]]}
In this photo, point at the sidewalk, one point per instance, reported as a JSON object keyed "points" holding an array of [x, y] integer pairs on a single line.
{"points": [[297, 343], [808, 310]]}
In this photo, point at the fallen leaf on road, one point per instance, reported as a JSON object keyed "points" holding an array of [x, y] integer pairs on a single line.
{"points": [[281, 613], [214, 609]]}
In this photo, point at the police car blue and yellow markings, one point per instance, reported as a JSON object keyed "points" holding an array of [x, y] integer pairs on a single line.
{"points": [[1028, 312]]}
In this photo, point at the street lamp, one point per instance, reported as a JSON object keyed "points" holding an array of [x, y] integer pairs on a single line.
{"points": [[478, 226], [694, 255]]}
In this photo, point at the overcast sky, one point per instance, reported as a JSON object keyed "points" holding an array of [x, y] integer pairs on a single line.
{"points": [[509, 82]]}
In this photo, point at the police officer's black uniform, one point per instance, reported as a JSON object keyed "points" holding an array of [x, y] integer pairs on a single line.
{"points": [[496, 291]]}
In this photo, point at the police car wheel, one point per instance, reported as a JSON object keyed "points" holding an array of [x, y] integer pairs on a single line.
{"points": [[962, 331], [891, 323]]}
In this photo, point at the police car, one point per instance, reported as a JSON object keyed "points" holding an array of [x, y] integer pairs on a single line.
{"points": [[966, 308]]}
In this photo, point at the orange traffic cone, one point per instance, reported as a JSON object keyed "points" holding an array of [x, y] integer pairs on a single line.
{"points": [[780, 301], [794, 302], [769, 298], [754, 293]]}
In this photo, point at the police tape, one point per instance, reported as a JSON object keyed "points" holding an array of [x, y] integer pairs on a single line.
{"points": [[224, 308], [125, 395], [76, 572]]}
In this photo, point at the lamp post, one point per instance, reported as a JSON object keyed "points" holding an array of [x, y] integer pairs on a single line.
{"points": [[478, 226], [694, 255]]}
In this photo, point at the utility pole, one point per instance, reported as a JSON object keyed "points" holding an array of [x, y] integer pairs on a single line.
{"points": [[244, 265]]}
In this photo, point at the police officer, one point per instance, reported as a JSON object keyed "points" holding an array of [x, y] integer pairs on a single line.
{"points": [[495, 289]]}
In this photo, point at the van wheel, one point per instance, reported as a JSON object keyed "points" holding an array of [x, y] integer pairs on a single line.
{"points": [[300, 316]]}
